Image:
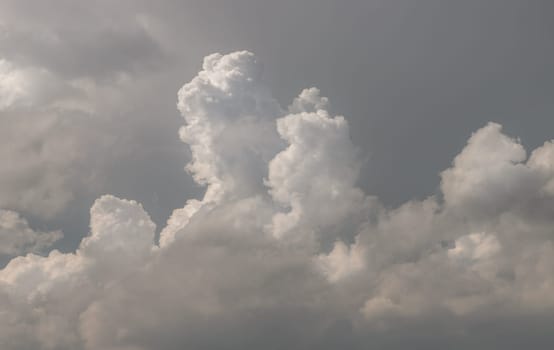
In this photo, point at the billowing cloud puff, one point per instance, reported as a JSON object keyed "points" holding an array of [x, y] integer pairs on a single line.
{"points": [[489, 174], [230, 125], [314, 177], [285, 251]]}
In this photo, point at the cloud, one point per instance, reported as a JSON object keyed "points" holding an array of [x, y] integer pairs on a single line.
{"points": [[14, 86], [314, 177], [40, 132], [25, 87], [285, 251], [17, 238], [81, 41], [44, 149], [70, 123], [58, 136], [489, 174]]}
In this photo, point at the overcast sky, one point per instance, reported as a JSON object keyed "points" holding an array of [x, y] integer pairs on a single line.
{"points": [[406, 200]]}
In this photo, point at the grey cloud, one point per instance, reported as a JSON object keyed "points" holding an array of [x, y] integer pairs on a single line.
{"points": [[17, 238], [68, 92], [80, 41]]}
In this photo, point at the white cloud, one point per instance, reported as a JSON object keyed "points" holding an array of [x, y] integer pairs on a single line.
{"points": [[229, 128], [489, 175], [283, 247], [119, 230]]}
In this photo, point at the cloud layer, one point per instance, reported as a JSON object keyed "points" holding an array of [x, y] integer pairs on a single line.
{"points": [[285, 251]]}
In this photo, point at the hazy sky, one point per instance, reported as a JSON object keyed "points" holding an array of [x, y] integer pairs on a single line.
{"points": [[424, 218]]}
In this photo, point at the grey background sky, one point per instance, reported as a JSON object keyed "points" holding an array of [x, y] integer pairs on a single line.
{"points": [[414, 79]]}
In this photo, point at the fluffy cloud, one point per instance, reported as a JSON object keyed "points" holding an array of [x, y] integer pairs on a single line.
{"points": [[314, 177], [285, 251], [488, 176]]}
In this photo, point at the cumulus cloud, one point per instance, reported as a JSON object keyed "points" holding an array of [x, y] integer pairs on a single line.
{"points": [[285, 251], [489, 174]]}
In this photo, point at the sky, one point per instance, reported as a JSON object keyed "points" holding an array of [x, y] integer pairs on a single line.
{"points": [[255, 174]]}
